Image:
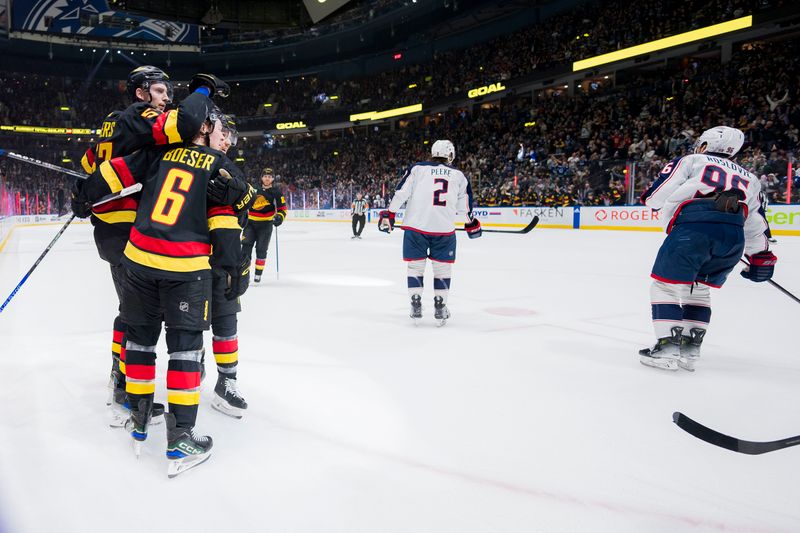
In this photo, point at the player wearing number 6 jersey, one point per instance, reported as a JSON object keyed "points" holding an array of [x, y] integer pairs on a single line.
{"points": [[434, 194], [713, 214]]}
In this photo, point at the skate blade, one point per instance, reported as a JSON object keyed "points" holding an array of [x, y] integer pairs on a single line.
{"points": [[176, 467], [225, 409], [119, 418], [137, 447], [661, 363], [687, 365]]}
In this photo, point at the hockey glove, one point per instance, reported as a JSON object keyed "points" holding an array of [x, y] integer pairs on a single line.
{"points": [[80, 204], [386, 221], [473, 228], [238, 280], [762, 265], [215, 86], [278, 220], [226, 190]]}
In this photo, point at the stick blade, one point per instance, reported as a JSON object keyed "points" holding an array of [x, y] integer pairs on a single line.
{"points": [[531, 225], [716, 438]]}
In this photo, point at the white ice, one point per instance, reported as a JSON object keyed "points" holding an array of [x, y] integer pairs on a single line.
{"points": [[528, 412]]}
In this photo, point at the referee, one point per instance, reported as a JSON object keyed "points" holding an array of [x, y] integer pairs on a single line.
{"points": [[358, 211]]}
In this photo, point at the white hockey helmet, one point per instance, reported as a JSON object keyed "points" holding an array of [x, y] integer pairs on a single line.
{"points": [[721, 140], [445, 149]]}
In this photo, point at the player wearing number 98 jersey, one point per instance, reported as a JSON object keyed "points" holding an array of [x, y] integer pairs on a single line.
{"points": [[713, 214], [434, 193]]}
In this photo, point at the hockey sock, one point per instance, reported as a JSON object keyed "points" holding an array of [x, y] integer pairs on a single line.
{"points": [[183, 374], [118, 352], [260, 265], [696, 307], [140, 364], [416, 275], [225, 344], [665, 304], [441, 279]]}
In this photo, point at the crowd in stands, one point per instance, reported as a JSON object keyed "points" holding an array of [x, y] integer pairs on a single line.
{"points": [[547, 148]]}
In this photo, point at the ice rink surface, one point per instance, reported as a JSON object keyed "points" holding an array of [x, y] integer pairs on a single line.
{"points": [[528, 412]]}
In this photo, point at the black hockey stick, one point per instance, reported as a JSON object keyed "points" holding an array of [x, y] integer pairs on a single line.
{"points": [[730, 443], [775, 284], [526, 229], [136, 187], [50, 166]]}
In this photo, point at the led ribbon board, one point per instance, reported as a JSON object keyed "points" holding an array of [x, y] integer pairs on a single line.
{"points": [[47, 130], [378, 115], [666, 42], [488, 89], [290, 125]]}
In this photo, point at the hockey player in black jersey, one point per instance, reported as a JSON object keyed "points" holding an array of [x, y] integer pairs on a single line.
{"points": [[267, 211], [225, 341], [168, 276], [144, 123]]}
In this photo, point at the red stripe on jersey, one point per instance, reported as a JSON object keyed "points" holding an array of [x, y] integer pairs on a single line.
{"points": [[282, 208], [89, 155], [262, 214], [147, 372], [225, 346], [123, 172], [168, 248], [177, 379], [126, 203], [221, 210], [158, 129]]}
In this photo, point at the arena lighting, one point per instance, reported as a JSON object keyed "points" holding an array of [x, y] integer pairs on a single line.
{"points": [[397, 57], [47, 130], [667, 42], [64, 108], [378, 115], [334, 97], [412, 86], [267, 105], [530, 124]]}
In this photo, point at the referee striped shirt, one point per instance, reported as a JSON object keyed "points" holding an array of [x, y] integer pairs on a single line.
{"points": [[360, 206]]}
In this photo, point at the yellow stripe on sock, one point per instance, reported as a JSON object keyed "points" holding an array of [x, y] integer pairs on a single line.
{"points": [[140, 387], [180, 397], [116, 348], [122, 368], [225, 358]]}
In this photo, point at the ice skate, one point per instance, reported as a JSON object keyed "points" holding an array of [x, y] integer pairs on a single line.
{"points": [[185, 449], [441, 313], [690, 348], [666, 352], [202, 364], [121, 411], [257, 277], [416, 308], [114, 381], [227, 399], [138, 424]]}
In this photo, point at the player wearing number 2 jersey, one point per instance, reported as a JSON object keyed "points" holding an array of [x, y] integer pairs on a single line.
{"points": [[713, 213], [434, 194]]}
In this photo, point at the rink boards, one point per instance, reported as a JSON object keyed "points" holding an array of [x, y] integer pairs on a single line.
{"points": [[783, 219]]}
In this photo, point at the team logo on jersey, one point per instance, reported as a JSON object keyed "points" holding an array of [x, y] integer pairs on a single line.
{"points": [[260, 202]]}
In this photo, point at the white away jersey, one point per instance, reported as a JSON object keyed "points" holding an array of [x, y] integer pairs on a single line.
{"points": [[700, 175], [434, 194]]}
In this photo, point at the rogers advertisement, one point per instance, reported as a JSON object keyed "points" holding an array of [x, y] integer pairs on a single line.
{"points": [[621, 217]]}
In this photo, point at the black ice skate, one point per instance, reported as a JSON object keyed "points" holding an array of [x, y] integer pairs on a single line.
{"points": [[690, 348], [666, 352], [121, 411], [202, 364], [138, 424], [185, 449], [257, 277], [416, 308], [115, 381], [440, 311], [227, 399]]}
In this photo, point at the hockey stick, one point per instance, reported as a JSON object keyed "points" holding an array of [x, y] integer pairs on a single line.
{"points": [[136, 187], [42, 164], [716, 438], [527, 229], [775, 284], [277, 257]]}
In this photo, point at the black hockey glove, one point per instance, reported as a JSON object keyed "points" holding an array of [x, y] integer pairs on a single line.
{"points": [[215, 86], [80, 204], [278, 220], [238, 280], [226, 190]]}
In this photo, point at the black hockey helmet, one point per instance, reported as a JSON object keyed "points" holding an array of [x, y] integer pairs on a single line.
{"points": [[144, 76]]}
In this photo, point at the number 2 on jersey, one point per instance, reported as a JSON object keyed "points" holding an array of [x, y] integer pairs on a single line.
{"points": [[437, 194], [170, 202]]}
